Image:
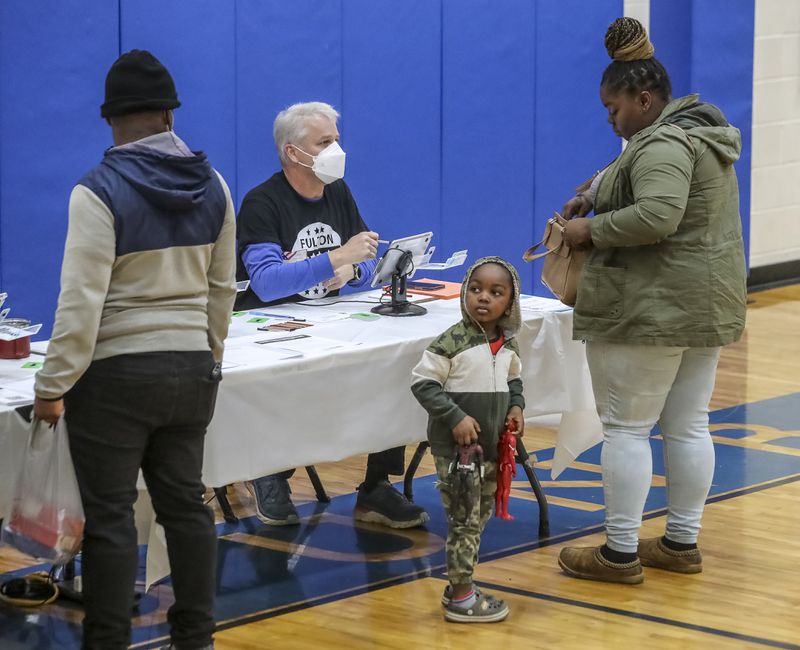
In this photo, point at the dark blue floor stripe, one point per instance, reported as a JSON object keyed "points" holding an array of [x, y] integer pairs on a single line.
{"points": [[643, 617]]}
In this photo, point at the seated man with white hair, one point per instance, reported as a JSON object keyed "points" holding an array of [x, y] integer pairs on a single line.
{"points": [[300, 236]]}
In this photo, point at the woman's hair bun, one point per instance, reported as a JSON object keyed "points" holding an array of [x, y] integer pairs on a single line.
{"points": [[627, 40]]}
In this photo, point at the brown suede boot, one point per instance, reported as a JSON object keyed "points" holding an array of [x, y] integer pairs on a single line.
{"points": [[589, 564], [653, 553]]}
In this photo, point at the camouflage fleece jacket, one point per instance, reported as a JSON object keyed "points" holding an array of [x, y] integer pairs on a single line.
{"points": [[458, 376]]}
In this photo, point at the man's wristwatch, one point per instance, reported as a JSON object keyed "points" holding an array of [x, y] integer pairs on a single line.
{"points": [[356, 273]]}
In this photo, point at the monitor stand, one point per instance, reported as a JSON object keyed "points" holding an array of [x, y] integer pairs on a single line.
{"points": [[399, 305]]}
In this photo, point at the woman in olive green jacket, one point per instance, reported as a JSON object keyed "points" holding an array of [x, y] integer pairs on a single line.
{"points": [[663, 289]]}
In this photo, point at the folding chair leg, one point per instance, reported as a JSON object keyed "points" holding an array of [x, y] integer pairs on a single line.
{"points": [[408, 480], [544, 515], [222, 498], [319, 489]]}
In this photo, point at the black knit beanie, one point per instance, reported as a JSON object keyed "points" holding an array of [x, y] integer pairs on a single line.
{"points": [[138, 82]]}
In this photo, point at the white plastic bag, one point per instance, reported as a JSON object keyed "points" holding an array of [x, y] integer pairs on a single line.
{"points": [[46, 519]]}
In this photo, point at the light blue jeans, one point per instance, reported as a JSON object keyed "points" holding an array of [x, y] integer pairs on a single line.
{"points": [[635, 387]]}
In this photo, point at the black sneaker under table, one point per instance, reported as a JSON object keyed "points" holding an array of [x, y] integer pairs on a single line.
{"points": [[274, 506], [386, 506]]}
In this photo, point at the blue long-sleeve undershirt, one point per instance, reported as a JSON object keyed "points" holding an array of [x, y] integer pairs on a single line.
{"points": [[273, 278]]}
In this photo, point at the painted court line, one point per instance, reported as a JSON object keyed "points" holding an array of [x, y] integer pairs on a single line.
{"points": [[642, 617]]}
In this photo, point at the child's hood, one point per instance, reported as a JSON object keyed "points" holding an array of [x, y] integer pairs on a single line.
{"points": [[512, 323]]}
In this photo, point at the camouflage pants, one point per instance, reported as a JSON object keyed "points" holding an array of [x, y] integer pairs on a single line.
{"points": [[466, 517]]}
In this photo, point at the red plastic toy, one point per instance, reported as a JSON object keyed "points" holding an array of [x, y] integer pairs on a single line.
{"points": [[506, 470]]}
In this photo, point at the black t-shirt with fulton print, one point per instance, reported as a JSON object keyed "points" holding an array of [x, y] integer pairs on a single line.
{"points": [[274, 213]]}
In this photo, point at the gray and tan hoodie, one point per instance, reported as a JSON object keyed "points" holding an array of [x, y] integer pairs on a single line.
{"points": [[458, 376], [148, 263]]}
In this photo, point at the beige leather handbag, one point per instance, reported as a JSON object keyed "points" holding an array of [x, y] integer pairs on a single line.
{"points": [[562, 264]]}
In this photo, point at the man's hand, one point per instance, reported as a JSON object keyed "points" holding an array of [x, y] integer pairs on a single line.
{"points": [[359, 248], [466, 432], [577, 206], [578, 233], [48, 410], [343, 275], [515, 416]]}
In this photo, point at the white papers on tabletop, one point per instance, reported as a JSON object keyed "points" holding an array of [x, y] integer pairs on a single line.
{"points": [[17, 393], [308, 311], [3, 297], [537, 303], [456, 259], [305, 344], [261, 347], [256, 355], [245, 351], [10, 397], [241, 327], [8, 333]]}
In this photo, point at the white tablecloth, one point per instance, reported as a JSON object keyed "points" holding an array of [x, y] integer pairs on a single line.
{"points": [[329, 405]]}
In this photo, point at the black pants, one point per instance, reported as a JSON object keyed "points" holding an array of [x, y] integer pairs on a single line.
{"points": [[379, 466], [147, 411]]}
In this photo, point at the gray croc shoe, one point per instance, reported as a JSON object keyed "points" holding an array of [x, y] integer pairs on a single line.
{"points": [[485, 609], [447, 595]]}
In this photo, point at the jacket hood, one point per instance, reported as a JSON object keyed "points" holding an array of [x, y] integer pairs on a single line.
{"points": [[170, 182], [705, 122], [512, 323]]}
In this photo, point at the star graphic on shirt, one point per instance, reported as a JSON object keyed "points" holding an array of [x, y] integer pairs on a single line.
{"points": [[316, 231], [308, 232], [316, 291]]}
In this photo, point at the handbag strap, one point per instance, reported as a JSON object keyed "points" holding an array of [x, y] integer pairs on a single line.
{"points": [[528, 255]]}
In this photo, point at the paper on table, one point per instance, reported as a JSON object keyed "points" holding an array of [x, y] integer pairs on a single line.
{"points": [[12, 333], [310, 312], [538, 303], [12, 398], [17, 393], [308, 344], [456, 259], [244, 351]]}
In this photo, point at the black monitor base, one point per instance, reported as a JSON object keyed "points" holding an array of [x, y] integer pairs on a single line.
{"points": [[399, 309], [399, 305]]}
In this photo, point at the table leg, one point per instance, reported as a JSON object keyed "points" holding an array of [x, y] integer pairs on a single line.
{"points": [[222, 498], [544, 515], [319, 489], [408, 481]]}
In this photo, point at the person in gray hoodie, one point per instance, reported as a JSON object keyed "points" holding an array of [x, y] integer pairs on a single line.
{"points": [[147, 287], [469, 382]]}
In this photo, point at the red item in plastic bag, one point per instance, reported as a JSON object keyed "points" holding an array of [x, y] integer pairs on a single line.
{"points": [[36, 535], [506, 470], [46, 518]]}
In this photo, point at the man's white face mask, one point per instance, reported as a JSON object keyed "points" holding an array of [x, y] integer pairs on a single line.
{"points": [[328, 164]]}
